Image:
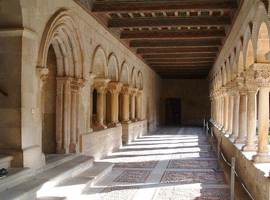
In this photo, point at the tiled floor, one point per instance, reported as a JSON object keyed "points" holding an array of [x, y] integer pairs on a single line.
{"points": [[171, 164]]}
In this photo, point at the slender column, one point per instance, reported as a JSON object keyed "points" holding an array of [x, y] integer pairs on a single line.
{"points": [[125, 108], [72, 145], [231, 106], [132, 110], [251, 119], [235, 130], [226, 113], [101, 85], [263, 151], [139, 105], [114, 89], [242, 118], [59, 115]]}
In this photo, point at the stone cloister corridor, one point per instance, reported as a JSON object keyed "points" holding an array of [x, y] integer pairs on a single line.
{"points": [[135, 99]]}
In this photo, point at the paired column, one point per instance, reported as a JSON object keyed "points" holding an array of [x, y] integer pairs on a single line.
{"points": [[226, 113], [100, 85], [133, 92], [251, 119], [236, 103], [125, 107], [242, 117], [263, 151], [139, 105], [114, 88]]}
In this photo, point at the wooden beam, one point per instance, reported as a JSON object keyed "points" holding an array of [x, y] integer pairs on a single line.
{"points": [[183, 76], [183, 65], [180, 60], [177, 55], [175, 43], [179, 34], [177, 50], [162, 5], [169, 21]]}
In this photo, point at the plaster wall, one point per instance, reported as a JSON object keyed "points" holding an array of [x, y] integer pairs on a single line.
{"points": [[194, 97]]}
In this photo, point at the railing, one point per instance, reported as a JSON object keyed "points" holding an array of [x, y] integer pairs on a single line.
{"points": [[209, 133]]}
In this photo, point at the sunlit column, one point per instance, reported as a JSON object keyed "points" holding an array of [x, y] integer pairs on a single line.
{"points": [[235, 130], [242, 117], [251, 119], [125, 108], [114, 88], [263, 151]]}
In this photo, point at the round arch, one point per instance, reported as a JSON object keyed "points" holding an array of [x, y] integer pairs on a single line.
{"points": [[99, 63], [113, 67], [263, 43], [124, 73]]}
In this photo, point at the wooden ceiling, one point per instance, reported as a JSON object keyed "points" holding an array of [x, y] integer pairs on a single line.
{"points": [[176, 38]]}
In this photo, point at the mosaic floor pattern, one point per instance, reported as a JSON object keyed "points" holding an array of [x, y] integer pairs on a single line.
{"points": [[170, 164]]}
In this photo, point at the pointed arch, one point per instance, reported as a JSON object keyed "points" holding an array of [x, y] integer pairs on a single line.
{"points": [[249, 58], [140, 80]]}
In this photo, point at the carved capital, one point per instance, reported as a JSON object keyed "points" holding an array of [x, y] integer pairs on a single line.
{"points": [[114, 87], [126, 89], [100, 84], [261, 74], [43, 73]]}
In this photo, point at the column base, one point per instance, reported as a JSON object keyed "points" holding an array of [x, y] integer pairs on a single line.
{"points": [[100, 127], [233, 137], [261, 158], [240, 141], [126, 122], [114, 124], [249, 148], [72, 148]]}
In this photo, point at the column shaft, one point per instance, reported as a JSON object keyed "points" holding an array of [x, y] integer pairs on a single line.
{"points": [[235, 130], [242, 119], [262, 153]]}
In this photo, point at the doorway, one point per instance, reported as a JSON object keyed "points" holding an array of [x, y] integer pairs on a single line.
{"points": [[173, 112]]}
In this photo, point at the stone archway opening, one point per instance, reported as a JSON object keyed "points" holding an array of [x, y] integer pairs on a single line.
{"points": [[94, 115], [49, 105], [263, 43]]}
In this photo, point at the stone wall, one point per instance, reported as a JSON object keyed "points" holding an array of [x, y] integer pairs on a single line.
{"points": [[26, 31], [194, 97]]}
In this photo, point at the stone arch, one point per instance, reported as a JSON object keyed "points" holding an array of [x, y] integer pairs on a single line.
{"points": [[99, 63], [262, 43], [113, 67], [62, 34], [124, 73], [60, 66], [140, 80], [133, 77], [239, 58], [248, 48]]}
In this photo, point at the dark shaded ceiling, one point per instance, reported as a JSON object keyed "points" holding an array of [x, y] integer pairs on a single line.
{"points": [[176, 38]]}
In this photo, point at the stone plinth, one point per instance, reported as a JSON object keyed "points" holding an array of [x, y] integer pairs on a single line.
{"points": [[99, 144]]}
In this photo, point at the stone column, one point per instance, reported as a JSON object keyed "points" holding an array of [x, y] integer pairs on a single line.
{"points": [[139, 105], [251, 119], [133, 108], [73, 135], [226, 113], [114, 88], [242, 118], [262, 153], [125, 108], [230, 113], [235, 129], [100, 85]]}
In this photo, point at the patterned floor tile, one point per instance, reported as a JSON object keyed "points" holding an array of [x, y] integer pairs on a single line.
{"points": [[133, 176], [149, 164], [192, 177], [176, 193], [192, 164]]}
